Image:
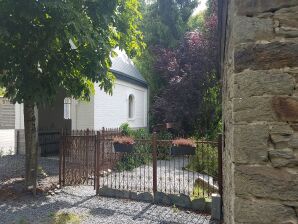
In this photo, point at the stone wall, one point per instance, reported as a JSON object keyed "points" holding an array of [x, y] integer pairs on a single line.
{"points": [[260, 103]]}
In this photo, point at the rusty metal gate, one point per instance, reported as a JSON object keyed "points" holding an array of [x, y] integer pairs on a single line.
{"points": [[88, 157], [81, 154]]}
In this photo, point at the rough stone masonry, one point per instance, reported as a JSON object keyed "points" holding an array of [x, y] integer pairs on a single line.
{"points": [[260, 103]]}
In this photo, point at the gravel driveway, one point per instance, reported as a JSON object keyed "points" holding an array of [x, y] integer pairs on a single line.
{"points": [[14, 166], [92, 209], [81, 200]]}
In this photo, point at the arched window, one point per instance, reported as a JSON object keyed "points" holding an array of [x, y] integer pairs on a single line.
{"points": [[67, 103], [131, 105]]}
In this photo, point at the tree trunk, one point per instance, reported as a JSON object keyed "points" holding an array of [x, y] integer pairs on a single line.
{"points": [[31, 140]]}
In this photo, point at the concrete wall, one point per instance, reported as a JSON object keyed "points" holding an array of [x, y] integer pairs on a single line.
{"points": [[260, 102]]}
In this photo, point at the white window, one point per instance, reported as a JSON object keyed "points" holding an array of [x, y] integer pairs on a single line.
{"points": [[67, 104], [131, 106]]}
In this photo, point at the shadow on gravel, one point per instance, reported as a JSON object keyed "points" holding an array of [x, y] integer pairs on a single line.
{"points": [[94, 208], [103, 212]]}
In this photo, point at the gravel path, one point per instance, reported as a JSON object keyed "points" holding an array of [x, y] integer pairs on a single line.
{"points": [[81, 200], [14, 166], [171, 178], [92, 209]]}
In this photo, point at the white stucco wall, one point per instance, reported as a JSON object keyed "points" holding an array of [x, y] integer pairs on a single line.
{"points": [[19, 116], [112, 111], [7, 141], [82, 114]]}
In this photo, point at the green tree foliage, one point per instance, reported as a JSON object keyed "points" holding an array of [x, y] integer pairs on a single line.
{"points": [[46, 46], [196, 21], [2, 91], [191, 96], [165, 21], [164, 24]]}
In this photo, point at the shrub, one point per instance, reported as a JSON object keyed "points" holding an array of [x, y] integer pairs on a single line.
{"points": [[125, 129], [141, 133], [165, 135], [142, 152], [205, 160]]}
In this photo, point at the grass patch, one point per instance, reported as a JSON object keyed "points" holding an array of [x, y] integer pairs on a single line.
{"points": [[175, 209], [65, 218], [22, 221], [41, 171], [199, 192]]}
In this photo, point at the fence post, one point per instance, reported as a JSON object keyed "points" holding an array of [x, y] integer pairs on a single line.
{"points": [[220, 174], [97, 155], [60, 158], [154, 155], [87, 148], [65, 143], [94, 137], [219, 148]]}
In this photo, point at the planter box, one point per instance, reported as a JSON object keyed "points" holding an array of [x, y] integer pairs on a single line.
{"points": [[182, 150], [123, 147]]}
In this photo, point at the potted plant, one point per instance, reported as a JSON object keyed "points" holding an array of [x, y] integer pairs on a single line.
{"points": [[123, 144], [182, 146]]}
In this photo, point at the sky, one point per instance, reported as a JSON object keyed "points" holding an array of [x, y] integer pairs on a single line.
{"points": [[202, 6]]}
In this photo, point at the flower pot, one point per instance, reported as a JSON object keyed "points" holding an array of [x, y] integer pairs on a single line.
{"points": [[182, 150], [123, 147]]}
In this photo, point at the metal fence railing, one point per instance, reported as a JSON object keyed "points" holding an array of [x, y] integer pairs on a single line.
{"points": [[49, 141], [152, 167], [88, 157]]}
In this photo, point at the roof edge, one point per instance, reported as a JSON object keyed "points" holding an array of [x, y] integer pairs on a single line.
{"points": [[125, 77]]}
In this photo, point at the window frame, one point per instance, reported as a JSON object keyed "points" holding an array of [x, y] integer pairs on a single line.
{"points": [[67, 102], [131, 107]]}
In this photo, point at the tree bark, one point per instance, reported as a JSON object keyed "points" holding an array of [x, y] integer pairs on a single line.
{"points": [[31, 141]]}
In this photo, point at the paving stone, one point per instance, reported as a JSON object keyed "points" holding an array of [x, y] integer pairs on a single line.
{"points": [[162, 198], [109, 192], [144, 196], [180, 200], [198, 204]]}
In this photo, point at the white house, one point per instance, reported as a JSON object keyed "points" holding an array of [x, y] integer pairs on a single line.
{"points": [[127, 104]]}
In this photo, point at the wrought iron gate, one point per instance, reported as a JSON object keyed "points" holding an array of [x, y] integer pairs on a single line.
{"points": [[88, 157]]}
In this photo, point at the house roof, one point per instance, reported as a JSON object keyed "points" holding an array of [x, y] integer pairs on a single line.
{"points": [[124, 69]]}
